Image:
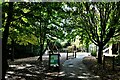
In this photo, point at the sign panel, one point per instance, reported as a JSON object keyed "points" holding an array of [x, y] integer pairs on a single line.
{"points": [[54, 60]]}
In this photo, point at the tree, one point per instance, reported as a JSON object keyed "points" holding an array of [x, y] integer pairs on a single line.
{"points": [[101, 22], [35, 23], [5, 38], [72, 24], [47, 24], [20, 30]]}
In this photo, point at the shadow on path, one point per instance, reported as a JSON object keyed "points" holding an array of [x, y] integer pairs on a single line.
{"points": [[31, 69]]}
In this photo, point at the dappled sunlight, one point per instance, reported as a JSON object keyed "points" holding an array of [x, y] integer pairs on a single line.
{"points": [[28, 59], [61, 72], [61, 75], [80, 68], [83, 77], [72, 68], [20, 67], [10, 72], [28, 65], [96, 76], [37, 72], [71, 76], [25, 70], [14, 77], [56, 74], [32, 31], [12, 65], [89, 77], [52, 73], [30, 75], [86, 74]]}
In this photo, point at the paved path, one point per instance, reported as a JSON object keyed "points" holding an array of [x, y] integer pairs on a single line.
{"points": [[74, 69]]}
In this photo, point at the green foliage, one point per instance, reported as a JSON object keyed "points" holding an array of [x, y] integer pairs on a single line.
{"points": [[34, 23], [99, 22], [94, 53], [96, 20], [67, 44], [59, 46], [70, 48], [38, 20]]}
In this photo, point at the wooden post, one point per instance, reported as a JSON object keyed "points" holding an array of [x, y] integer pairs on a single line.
{"points": [[75, 54], [67, 55], [49, 61]]}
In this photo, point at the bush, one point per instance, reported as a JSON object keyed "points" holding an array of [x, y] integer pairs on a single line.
{"points": [[70, 48], [94, 53], [66, 45], [59, 46]]}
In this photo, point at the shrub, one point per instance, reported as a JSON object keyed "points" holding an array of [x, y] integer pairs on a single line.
{"points": [[70, 48], [59, 46], [66, 45], [94, 53]]}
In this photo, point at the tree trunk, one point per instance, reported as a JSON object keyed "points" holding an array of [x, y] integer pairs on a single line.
{"points": [[41, 52], [100, 52], [4, 41], [87, 49], [40, 57], [4, 63], [12, 53]]}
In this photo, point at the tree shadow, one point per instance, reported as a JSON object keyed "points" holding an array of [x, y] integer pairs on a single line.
{"points": [[29, 70], [32, 70]]}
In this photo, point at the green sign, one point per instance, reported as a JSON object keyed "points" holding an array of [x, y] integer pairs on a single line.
{"points": [[54, 60]]}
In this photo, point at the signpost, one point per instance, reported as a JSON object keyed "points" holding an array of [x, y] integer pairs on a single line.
{"points": [[54, 62]]}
